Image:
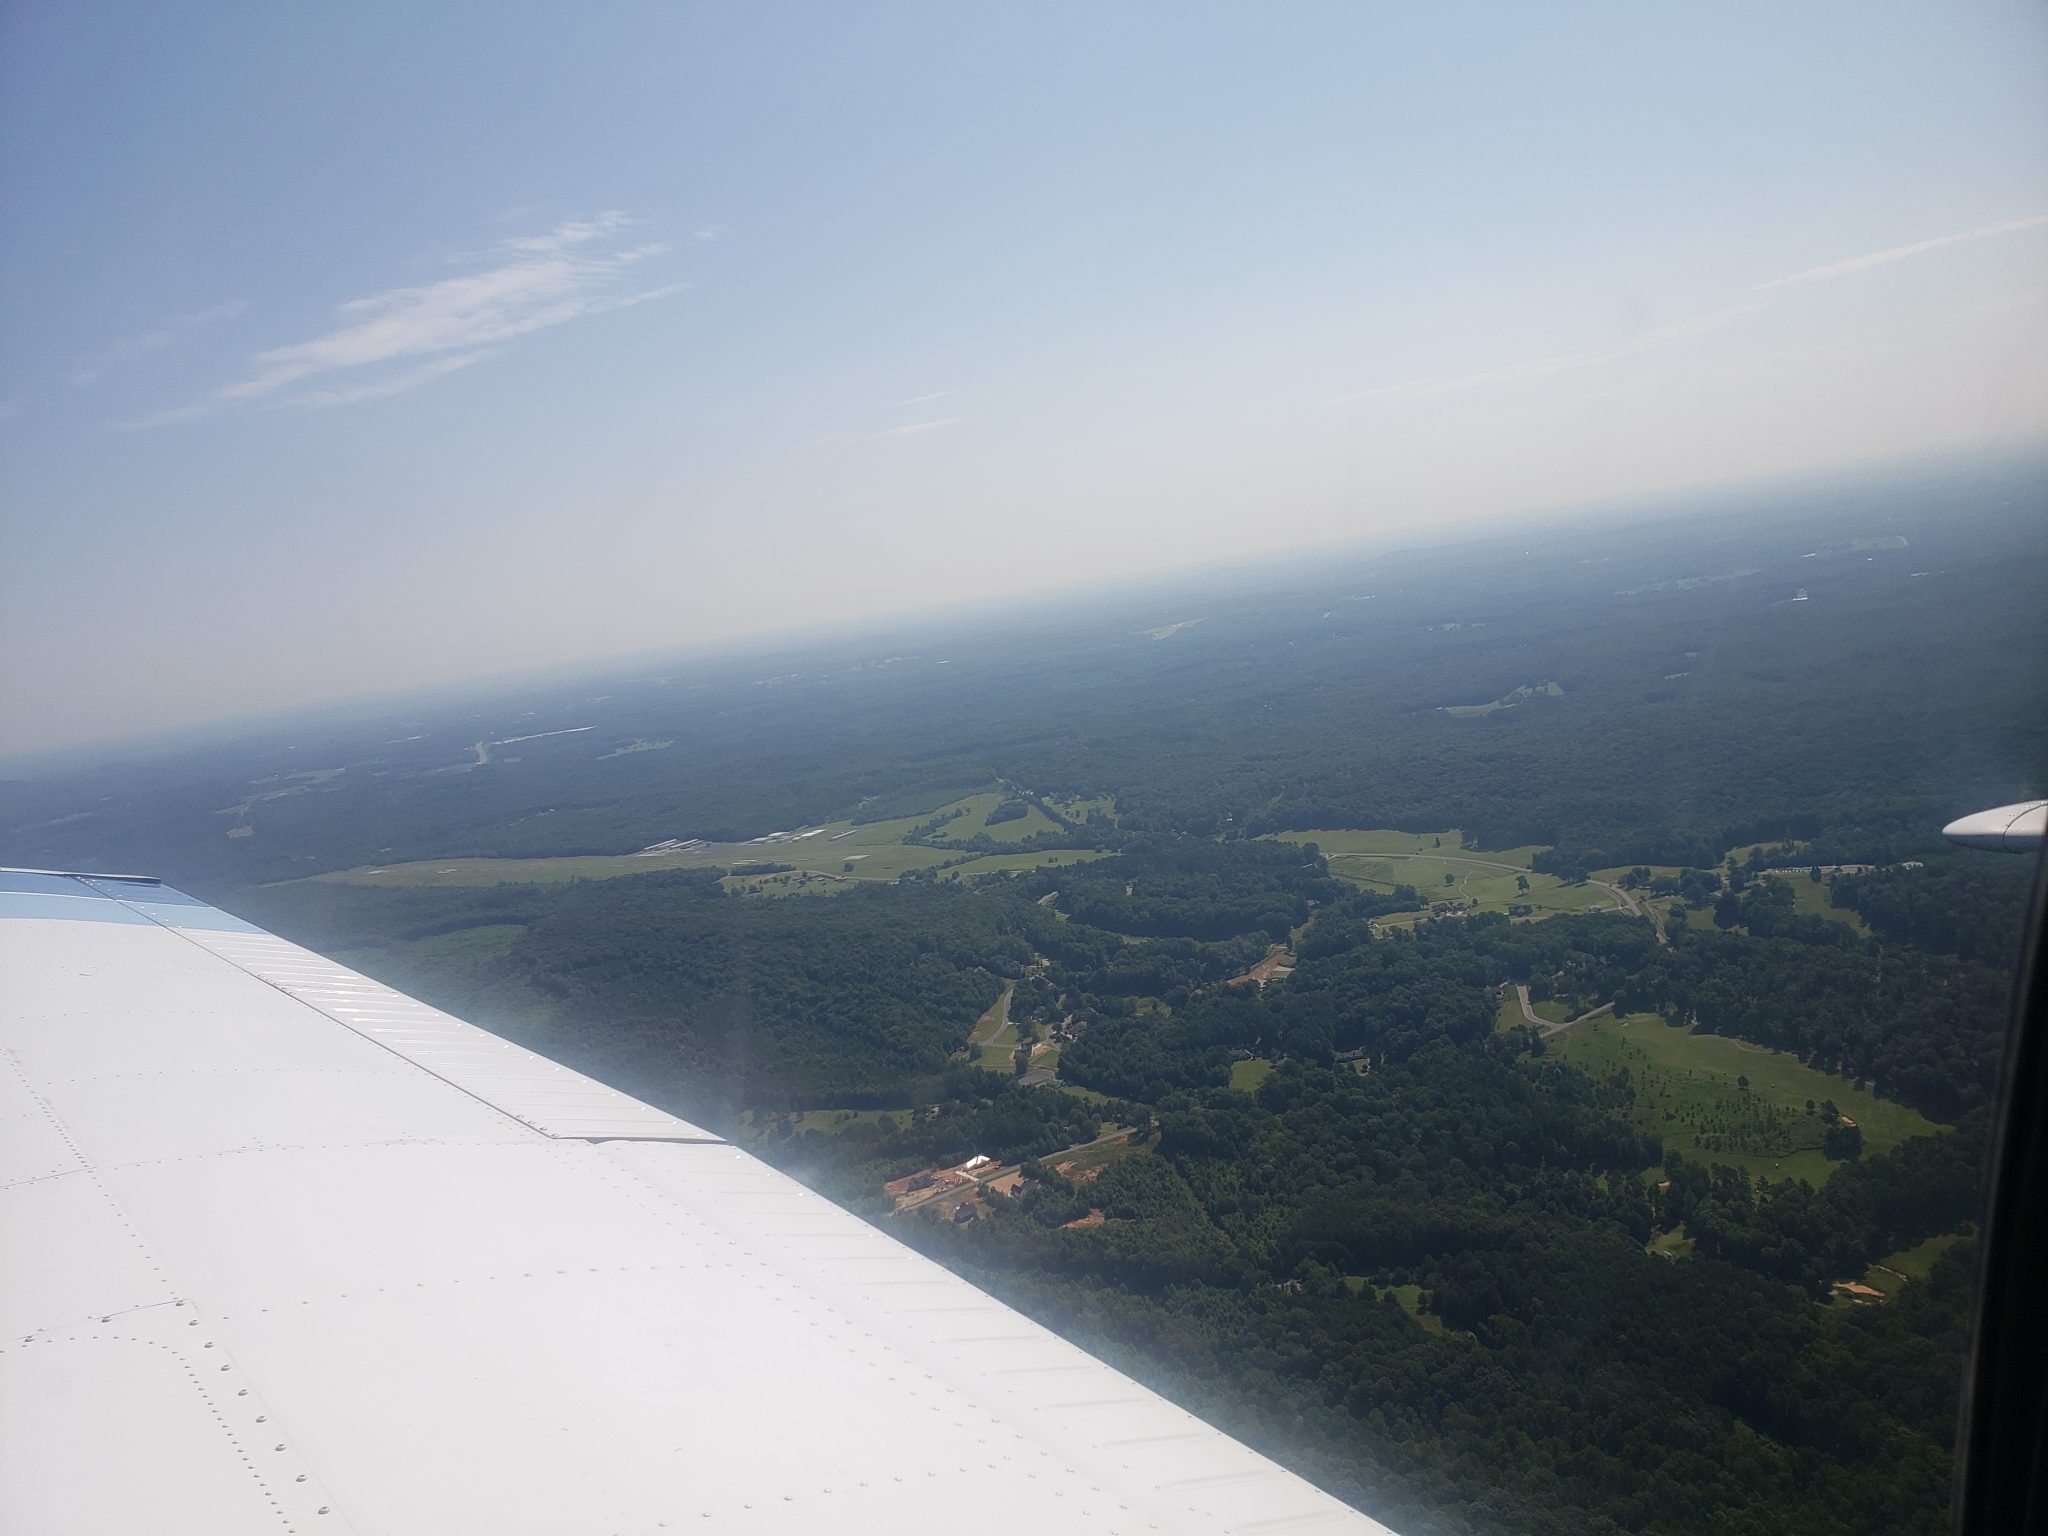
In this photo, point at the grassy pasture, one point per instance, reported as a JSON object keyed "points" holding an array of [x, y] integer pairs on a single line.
{"points": [[876, 850], [1099, 1153], [1506, 701], [1890, 1273], [1686, 1091], [1670, 1245], [1409, 1297], [1077, 811], [1819, 901], [974, 821], [992, 1043], [1476, 883], [1245, 1076]]}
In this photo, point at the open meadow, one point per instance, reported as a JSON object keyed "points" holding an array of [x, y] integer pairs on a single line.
{"points": [[972, 821], [1441, 870], [1690, 1089], [828, 857]]}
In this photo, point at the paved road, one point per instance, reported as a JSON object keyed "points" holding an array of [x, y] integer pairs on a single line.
{"points": [[1548, 1027]]}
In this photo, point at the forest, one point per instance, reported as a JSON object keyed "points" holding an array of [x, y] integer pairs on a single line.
{"points": [[1698, 709], [1419, 1261], [1289, 1149]]}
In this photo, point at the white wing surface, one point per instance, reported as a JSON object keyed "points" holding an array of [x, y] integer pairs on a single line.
{"points": [[284, 1251]]}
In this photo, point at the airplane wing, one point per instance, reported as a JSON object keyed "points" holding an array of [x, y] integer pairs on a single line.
{"points": [[283, 1251]]}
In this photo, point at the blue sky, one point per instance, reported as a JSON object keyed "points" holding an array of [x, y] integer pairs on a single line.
{"points": [[380, 345]]}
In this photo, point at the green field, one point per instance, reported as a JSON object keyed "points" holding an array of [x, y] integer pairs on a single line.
{"points": [[1109, 1148], [973, 821], [992, 1043], [1077, 811], [1890, 1273], [1807, 898], [1245, 1076], [1701, 918], [1819, 901], [1474, 877], [875, 851], [1670, 1245], [1507, 701], [1686, 1091], [1410, 1298]]}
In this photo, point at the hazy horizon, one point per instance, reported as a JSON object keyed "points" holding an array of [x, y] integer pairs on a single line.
{"points": [[969, 620], [340, 370]]}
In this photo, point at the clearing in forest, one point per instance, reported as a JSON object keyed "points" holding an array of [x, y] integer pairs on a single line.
{"points": [[1689, 1090], [1245, 1076], [875, 850], [1505, 701], [1440, 870], [969, 819], [992, 1043], [1890, 1273]]}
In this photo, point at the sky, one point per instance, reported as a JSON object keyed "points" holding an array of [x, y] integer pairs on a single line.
{"points": [[350, 349]]}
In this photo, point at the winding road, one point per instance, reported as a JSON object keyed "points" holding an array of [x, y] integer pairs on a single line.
{"points": [[1548, 1027]]}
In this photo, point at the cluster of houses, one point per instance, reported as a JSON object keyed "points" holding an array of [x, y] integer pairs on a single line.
{"points": [[977, 1178]]}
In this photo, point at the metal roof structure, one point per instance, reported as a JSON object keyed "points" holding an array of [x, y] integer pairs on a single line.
{"points": [[282, 1250]]}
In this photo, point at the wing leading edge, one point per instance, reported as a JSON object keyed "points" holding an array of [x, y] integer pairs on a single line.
{"points": [[287, 1251]]}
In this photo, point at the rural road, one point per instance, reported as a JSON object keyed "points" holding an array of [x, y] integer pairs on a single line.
{"points": [[1545, 1026]]}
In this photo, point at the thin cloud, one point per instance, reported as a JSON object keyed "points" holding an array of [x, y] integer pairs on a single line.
{"points": [[937, 394], [129, 349], [538, 281], [1894, 253], [912, 429], [1688, 329], [171, 417], [395, 384], [528, 283]]}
